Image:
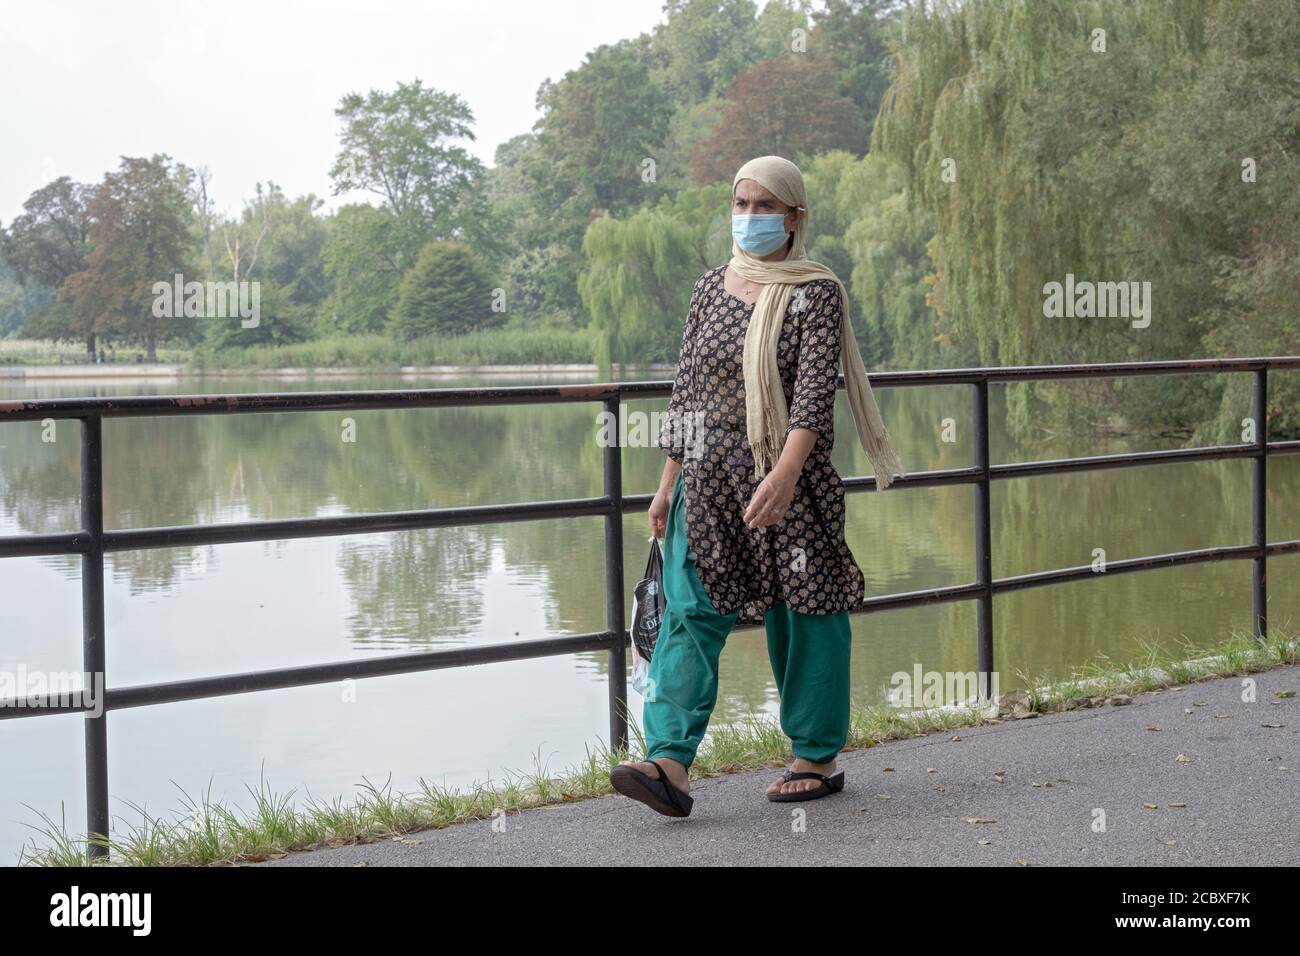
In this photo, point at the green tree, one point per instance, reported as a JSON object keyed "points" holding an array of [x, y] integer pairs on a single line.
{"points": [[448, 292], [366, 256], [1024, 141], [401, 146], [18, 302], [294, 257], [595, 151], [601, 123], [45, 245], [280, 245], [1223, 154], [854, 33], [640, 271], [541, 266], [885, 238], [689, 127], [704, 44], [48, 241]]}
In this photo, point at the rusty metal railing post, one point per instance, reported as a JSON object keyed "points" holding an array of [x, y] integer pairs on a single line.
{"points": [[1259, 495], [614, 613], [983, 539], [93, 655]]}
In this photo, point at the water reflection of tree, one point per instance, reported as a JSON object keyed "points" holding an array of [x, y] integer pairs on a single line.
{"points": [[430, 586], [149, 474], [417, 588], [40, 481]]}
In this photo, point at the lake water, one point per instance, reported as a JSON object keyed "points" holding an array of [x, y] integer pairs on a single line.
{"points": [[196, 612]]}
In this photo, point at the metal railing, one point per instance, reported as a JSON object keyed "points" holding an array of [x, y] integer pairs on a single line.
{"points": [[92, 542]]}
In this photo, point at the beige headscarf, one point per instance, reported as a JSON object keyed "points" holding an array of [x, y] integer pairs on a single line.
{"points": [[766, 414]]}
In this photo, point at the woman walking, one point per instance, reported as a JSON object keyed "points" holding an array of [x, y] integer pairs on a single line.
{"points": [[750, 507]]}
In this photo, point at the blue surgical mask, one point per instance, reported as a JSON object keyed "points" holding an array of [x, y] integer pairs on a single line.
{"points": [[759, 234]]}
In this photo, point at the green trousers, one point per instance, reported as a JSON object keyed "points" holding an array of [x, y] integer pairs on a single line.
{"points": [[809, 654]]}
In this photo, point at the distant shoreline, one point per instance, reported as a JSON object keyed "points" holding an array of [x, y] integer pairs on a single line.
{"points": [[28, 372]]}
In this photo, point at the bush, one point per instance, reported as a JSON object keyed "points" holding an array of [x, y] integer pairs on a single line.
{"points": [[448, 291]]}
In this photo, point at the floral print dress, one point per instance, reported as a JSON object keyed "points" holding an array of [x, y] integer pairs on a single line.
{"points": [[802, 560]]}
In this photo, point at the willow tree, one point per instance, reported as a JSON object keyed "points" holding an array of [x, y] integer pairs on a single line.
{"points": [[1019, 124], [641, 269], [885, 239], [1231, 136]]}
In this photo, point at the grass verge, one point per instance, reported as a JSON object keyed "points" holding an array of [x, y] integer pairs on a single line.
{"points": [[505, 346]]}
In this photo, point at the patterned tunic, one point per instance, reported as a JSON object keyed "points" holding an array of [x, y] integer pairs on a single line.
{"points": [[803, 559]]}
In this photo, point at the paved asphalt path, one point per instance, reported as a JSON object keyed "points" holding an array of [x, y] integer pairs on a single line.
{"points": [[905, 801]]}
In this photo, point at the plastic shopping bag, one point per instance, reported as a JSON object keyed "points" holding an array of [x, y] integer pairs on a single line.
{"points": [[647, 615]]}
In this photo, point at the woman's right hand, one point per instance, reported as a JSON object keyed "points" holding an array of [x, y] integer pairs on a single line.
{"points": [[659, 513]]}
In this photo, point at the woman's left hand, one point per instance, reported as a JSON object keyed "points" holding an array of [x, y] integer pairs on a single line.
{"points": [[771, 498]]}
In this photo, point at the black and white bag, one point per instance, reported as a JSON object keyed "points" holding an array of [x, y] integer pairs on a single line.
{"points": [[647, 615]]}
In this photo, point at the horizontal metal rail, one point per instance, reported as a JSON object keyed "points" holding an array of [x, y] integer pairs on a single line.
{"points": [[92, 542]]}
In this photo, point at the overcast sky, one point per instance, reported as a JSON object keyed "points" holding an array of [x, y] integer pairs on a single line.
{"points": [[248, 87]]}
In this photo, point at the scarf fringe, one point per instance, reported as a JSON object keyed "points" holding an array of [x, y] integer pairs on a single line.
{"points": [[765, 451], [884, 461]]}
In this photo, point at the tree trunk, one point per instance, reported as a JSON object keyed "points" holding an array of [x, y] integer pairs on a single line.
{"points": [[90, 348], [152, 342]]}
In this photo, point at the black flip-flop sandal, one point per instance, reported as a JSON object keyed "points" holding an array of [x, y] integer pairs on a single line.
{"points": [[832, 784], [660, 795]]}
